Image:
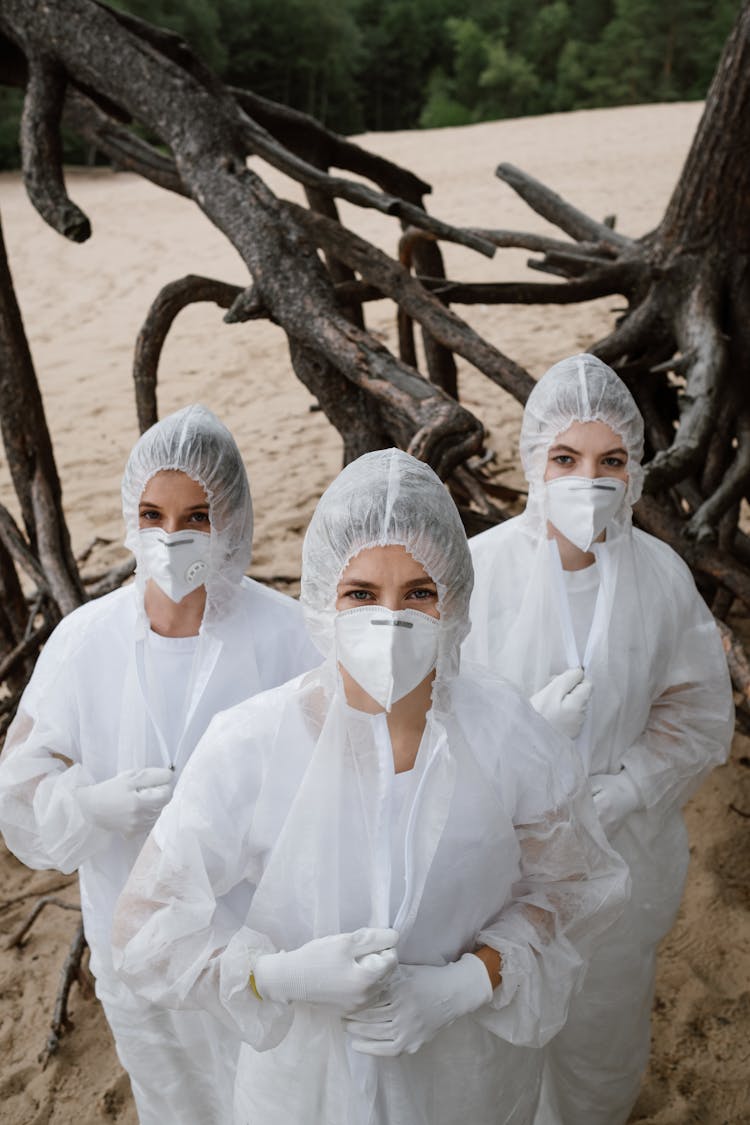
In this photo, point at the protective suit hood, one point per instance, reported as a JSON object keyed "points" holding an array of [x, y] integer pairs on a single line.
{"points": [[381, 499], [581, 388], [195, 442]]}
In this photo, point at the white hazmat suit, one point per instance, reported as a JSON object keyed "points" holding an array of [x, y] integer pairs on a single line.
{"points": [[111, 702], [659, 717], [292, 799]]}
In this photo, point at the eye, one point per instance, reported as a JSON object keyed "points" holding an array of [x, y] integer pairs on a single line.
{"points": [[613, 462], [423, 594], [358, 595], [150, 515], [562, 459], [200, 517]]}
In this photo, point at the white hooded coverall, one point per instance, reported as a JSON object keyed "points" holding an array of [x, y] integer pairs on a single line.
{"points": [[90, 702], [291, 801], [661, 709]]}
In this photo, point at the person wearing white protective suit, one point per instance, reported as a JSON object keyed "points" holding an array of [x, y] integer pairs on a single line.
{"points": [[418, 849], [121, 694], [602, 627]]}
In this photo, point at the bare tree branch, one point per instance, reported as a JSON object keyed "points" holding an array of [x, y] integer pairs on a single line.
{"points": [[174, 297], [698, 334], [378, 269], [126, 151], [553, 207], [41, 149]]}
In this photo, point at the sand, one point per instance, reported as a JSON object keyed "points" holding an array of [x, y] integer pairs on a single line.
{"points": [[83, 306]]}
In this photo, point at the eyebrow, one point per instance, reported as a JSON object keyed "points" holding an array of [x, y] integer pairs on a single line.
{"points": [[194, 508], [411, 584], [570, 449]]}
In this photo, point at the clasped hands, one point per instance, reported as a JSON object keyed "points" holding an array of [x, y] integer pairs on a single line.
{"points": [[387, 1008]]}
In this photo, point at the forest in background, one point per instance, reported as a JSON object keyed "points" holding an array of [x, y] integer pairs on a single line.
{"points": [[361, 65]]}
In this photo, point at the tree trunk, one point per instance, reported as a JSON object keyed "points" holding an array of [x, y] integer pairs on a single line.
{"points": [[29, 452]]}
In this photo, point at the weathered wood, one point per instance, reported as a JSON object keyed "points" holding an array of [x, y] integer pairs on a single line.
{"points": [[29, 452], [19, 550], [71, 973], [543, 244], [350, 409], [127, 152], [309, 139], [703, 558], [339, 271], [97, 587], [260, 141], [170, 300], [26, 647], [420, 250], [41, 148], [390, 277], [602, 282], [733, 486], [699, 336], [739, 666], [208, 137], [16, 937], [686, 286], [564, 215]]}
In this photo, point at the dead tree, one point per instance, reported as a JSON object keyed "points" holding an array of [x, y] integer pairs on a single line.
{"points": [[680, 344]]}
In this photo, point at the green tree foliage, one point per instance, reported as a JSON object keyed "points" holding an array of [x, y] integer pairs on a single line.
{"points": [[396, 64], [304, 53], [197, 21]]}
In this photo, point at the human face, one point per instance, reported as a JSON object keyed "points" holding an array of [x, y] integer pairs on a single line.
{"points": [[390, 577], [174, 501], [587, 449]]}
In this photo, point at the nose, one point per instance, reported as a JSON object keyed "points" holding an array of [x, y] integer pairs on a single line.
{"points": [[390, 601]]}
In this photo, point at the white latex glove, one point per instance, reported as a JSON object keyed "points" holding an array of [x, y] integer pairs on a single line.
{"points": [[129, 802], [344, 970], [615, 797], [419, 1000], [563, 701]]}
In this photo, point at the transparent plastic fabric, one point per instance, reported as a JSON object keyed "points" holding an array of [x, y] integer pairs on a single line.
{"points": [[286, 804], [89, 713], [84, 705], [661, 708], [195, 442], [290, 806]]}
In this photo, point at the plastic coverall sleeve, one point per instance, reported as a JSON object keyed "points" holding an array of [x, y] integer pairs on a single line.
{"points": [[173, 941], [573, 886], [689, 727], [40, 769]]}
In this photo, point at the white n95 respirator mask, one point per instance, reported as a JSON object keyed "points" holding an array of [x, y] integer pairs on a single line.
{"points": [[387, 652], [177, 562], [581, 507]]}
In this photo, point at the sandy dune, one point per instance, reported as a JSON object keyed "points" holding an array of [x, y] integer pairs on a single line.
{"points": [[83, 306]]}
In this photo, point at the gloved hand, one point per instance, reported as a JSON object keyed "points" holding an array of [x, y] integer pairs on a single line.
{"points": [[615, 797], [419, 1001], [563, 701], [344, 970], [129, 802]]}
